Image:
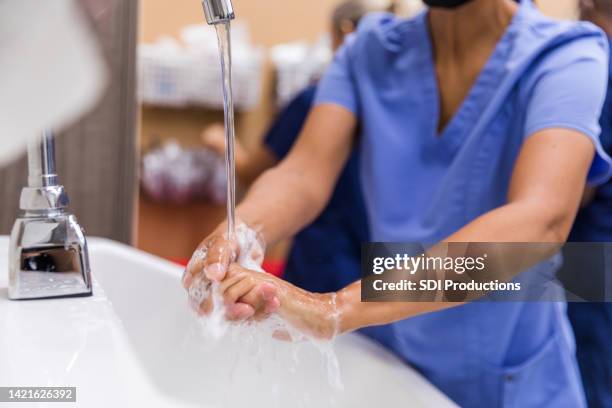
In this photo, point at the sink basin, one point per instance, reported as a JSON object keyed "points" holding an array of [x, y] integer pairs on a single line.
{"points": [[136, 343]]}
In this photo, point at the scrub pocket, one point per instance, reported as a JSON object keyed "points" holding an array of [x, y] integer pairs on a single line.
{"points": [[549, 378]]}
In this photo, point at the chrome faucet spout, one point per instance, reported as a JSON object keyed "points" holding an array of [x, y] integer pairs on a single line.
{"points": [[48, 254], [41, 161], [218, 11]]}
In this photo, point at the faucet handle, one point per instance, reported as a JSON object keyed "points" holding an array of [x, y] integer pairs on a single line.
{"points": [[218, 11]]}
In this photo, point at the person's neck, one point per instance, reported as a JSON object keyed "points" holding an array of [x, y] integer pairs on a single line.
{"points": [[457, 33]]}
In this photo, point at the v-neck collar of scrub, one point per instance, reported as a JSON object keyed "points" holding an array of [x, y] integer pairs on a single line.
{"points": [[477, 98]]}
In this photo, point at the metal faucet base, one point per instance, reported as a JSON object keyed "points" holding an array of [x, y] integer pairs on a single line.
{"points": [[48, 258]]}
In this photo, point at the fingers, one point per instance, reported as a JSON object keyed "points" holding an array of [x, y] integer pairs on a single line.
{"points": [[234, 275], [236, 311], [267, 310], [240, 289], [239, 311], [242, 286], [186, 279], [269, 294], [232, 289], [221, 253], [213, 257], [282, 335], [195, 265], [259, 308], [235, 290], [266, 294], [205, 308]]}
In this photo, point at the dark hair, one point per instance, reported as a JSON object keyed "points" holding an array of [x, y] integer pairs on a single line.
{"points": [[604, 7], [350, 10]]}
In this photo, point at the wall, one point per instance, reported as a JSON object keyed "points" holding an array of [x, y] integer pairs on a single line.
{"points": [[271, 21], [96, 157], [559, 8]]}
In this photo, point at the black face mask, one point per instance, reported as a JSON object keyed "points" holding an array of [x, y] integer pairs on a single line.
{"points": [[446, 3]]}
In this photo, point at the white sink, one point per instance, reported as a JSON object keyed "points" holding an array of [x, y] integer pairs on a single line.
{"points": [[135, 343]]}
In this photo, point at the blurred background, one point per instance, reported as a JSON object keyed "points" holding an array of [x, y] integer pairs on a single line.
{"points": [[142, 175]]}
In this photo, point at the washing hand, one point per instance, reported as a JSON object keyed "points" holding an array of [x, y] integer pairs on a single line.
{"points": [[210, 263], [253, 294], [313, 314]]}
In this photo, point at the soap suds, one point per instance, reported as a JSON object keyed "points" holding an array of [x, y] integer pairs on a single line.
{"points": [[256, 336]]}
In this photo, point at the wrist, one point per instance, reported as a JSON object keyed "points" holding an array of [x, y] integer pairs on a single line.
{"points": [[252, 221], [314, 314], [327, 316], [348, 306]]}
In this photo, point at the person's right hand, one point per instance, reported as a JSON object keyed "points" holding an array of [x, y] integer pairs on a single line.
{"points": [[210, 263], [212, 258]]}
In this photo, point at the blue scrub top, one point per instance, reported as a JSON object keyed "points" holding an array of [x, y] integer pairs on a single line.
{"points": [[594, 222], [324, 256], [421, 187], [592, 322]]}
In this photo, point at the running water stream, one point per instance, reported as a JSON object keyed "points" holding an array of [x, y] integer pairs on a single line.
{"points": [[215, 327], [225, 53]]}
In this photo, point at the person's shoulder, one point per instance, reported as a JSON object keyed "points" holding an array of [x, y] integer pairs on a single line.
{"points": [[544, 45], [547, 26], [563, 40], [384, 30], [375, 21]]}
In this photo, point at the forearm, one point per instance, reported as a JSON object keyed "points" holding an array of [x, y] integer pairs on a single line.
{"points": [[518, 222], [252, 164], [512, 223], [290, 195], [353, 314], [543, 198], [279, 204]]}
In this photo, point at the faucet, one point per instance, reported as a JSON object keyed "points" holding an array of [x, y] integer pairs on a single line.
{"points": [[218, 11], [48, 255]]}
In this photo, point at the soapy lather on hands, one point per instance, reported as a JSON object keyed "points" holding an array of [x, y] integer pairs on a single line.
{"points": [[248, 292]]}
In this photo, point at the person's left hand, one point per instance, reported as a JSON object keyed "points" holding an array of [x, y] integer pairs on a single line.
{"points": [[313, 314], [213, 137], [259, 290]]}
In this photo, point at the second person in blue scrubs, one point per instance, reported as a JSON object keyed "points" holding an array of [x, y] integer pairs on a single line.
{"points": [[592, 322], [478, 122]]}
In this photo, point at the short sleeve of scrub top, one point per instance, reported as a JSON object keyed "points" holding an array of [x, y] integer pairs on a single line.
{"points": [[338, 85], [553, 104]]}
